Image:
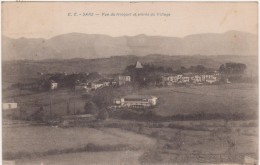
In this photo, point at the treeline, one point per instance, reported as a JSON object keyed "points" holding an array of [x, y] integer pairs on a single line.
{"points": [[148, 68], [150, 75], [72, 79], [232, 68], [227, 68], [194, 69], [150, 116]]}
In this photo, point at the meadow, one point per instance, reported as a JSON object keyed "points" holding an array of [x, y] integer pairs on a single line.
{"points": [[115, 158], [227, 98], [144, 142], [43, 139], [177, 100]]}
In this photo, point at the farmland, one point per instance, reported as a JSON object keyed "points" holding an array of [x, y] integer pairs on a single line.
{"points": [[41, 140], [144, 142]]}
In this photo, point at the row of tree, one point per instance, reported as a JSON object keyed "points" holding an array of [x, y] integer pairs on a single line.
{"points": [[72, 79]]}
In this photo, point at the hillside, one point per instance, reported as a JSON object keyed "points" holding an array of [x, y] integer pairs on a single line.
{"points": [[89, 46]]}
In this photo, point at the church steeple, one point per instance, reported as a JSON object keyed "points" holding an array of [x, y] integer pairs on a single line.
{"points": [[138, 65]]}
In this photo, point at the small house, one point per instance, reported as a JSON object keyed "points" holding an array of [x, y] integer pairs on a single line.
{"points": [[210, 77], [9, 106], [171, 78], [96, 85], [196, 79], [185, 79], [123, 79], [53, 85]]}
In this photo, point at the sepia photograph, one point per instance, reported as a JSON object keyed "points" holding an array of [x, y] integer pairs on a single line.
{"points": [[129, 83]]}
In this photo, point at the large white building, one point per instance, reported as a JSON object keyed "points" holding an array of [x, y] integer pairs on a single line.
{"points": [[136, 101]]}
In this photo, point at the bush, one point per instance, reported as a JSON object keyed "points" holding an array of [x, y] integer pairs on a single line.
{"points": [[103, 115], [38, 115], [140, 129], [90, 108]]}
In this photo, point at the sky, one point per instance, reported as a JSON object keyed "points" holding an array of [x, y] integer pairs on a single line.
{"points": [[179, 19]]}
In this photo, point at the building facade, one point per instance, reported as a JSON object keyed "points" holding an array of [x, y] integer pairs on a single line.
{"points": [[136, 101], [9, 106], [123, 79]]}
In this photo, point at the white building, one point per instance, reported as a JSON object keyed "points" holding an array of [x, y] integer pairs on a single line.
{"points": [[123, 79], [209, 78], [196, 79], [171, 78], [96, 85], [53, 85], [9, 106], [136, 101], [185, 79]]}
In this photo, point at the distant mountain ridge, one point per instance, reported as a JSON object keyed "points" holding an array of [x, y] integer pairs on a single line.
{"points": [[89, 46]]}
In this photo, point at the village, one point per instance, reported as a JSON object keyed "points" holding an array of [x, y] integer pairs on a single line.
{"points": [[138, 75], [144, 101], [87, 82]]}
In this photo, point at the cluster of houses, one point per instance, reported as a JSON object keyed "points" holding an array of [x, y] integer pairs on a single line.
{"points": [[191, 78], [105, 82], [166, 80], [122, 79]]}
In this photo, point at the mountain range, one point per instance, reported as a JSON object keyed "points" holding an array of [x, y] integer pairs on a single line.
{"points": [[90, 46]]}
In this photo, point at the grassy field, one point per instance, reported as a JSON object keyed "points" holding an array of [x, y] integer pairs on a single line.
{"points": [[42, 138], [229, 98], [195, 142], [115, 158], [30, 101], [208, 141]]}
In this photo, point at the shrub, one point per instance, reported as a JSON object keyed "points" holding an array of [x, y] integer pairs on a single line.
{"points": [[90, 108], [103, 115], [140, 129]]}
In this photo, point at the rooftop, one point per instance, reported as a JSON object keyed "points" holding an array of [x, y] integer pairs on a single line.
{"points": [[139, 97]]}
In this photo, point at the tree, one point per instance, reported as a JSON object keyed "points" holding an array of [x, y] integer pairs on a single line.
{"points": [[94, 76], [183, 69], [200, 69], [232, 68], [90, 108], [38, 115], [103, 114], [68, 108]]}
